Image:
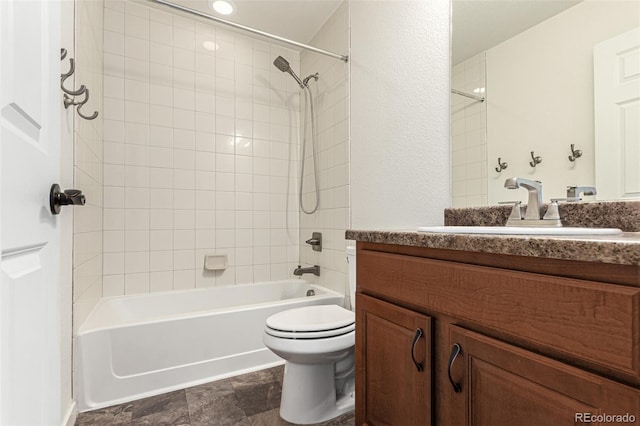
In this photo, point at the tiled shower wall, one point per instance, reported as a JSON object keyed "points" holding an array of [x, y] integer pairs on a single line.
{"points": [[469, 134], [331, 101], [87, 171], [200, 154]]}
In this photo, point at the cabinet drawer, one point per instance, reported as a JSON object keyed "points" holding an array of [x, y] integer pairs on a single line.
{"points": [[591, 321]]}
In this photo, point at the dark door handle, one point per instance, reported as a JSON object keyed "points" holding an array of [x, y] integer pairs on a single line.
{"points": [[57, 198], [455, 351], [417, 337]]}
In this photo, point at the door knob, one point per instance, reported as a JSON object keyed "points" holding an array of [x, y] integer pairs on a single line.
{"points": [[58, 198]]}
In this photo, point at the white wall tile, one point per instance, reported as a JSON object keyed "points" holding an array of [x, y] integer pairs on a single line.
{"points": [[136, 48], [114, 43], [136, 26], [187, 174], [161, 33]]}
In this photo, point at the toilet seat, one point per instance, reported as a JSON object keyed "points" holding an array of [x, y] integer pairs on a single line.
{"points": [[310, 334], [311, 322]]}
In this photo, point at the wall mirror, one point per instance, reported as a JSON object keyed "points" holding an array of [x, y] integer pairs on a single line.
{"points": [[524, 92]]}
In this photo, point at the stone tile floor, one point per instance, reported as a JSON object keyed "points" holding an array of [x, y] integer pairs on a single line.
{"points": [[248, 400]]}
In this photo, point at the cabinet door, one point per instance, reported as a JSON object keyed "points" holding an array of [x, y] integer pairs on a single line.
{"points": [[393, 364], [504, 385]]}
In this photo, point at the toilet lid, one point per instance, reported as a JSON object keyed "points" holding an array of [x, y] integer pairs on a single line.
{"points": [[312, 319]]}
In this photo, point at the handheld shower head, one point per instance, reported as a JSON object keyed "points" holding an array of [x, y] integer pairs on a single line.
{"points": [[283, 65]]}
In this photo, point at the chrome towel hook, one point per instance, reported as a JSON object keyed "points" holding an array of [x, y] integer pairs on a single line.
{"points": [[575, 153], [501, 165], [68, 101], [536, 160], [63, 77], [67, 97]]}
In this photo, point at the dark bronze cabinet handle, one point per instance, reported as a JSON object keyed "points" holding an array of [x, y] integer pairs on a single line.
{"points": [[455, 350], [417, 337]]}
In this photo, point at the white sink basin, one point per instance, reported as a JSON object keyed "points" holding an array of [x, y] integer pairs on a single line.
{"points": [[518, 230]]}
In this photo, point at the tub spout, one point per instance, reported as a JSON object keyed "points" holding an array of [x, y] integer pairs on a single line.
{"points": [[315, 270]]}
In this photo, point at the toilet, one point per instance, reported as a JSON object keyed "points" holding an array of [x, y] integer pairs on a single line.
{"points": [[317, 343]]}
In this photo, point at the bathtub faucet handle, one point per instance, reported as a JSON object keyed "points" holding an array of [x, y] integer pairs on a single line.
{"points": [[315, 241]]}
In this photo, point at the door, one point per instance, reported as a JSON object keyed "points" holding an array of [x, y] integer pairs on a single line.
{"points": [[502, 385], [393, 365], [617, 116], [30, 102]]}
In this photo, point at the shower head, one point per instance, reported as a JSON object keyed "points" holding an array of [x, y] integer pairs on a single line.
{"points": [[283, 65]]}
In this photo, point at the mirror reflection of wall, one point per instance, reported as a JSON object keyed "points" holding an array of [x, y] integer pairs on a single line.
{"points": [[539, 89]]}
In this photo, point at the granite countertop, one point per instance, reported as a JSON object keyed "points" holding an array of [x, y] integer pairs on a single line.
{"points": [[622, 249]]}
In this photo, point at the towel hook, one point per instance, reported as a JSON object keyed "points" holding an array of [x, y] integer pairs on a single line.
{"points": [[501, 165], [575, 153], [63, 77], [536, 160], [68, 101]]}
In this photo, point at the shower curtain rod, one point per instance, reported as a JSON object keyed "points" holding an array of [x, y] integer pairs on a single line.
{"points": [[250, 29], [468, 95]]}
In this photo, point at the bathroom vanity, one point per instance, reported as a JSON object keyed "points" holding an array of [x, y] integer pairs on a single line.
{"points": [[496, 330]]}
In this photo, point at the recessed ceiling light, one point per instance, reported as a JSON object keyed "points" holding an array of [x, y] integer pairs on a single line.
{"points": [[223, 7], [210, 45]]}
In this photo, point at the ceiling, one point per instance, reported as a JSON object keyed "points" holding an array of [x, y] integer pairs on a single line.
{"points": [[297, 20], [479, 25]]}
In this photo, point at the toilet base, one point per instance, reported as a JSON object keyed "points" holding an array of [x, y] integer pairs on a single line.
{"points": [[309, 394]]}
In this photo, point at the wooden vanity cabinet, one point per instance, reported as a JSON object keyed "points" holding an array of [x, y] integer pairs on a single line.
{"points": [[533, 348], [393, 373], [503, 385]]}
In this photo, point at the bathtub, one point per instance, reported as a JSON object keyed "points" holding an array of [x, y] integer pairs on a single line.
{"points": [[137, 346]]}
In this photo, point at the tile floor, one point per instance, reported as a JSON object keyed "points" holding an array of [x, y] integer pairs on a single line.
{"points": [[247, 400]]}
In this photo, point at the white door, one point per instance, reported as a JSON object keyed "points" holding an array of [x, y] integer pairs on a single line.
{"points": [[30, 100], [617, 116]]}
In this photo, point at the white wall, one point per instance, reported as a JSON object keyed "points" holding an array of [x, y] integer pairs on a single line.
{"points": [[540, 97], [399, 113], [331, 100], [469, 135], [200, 154]]}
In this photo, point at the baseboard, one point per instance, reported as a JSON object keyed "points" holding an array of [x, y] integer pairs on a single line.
{"points": [[72, 414]]}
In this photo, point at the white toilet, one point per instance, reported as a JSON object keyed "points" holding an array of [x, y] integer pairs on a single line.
{"points": [[318, 345]]}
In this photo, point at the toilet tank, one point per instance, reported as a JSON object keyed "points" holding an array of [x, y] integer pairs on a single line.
{"points": [[351, 265]]}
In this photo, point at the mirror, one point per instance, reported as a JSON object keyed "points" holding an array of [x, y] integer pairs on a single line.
{"points": [[533, 64]]}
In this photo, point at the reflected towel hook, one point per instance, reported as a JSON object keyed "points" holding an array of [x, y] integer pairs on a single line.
{"points": [[575, 153], [501, 165], [536, 160]]}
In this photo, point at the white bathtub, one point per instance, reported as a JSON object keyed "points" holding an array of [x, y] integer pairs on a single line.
{"points": [[137, 346]]}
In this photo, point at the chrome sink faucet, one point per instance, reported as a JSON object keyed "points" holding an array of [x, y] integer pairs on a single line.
{"points": [[535, 207]]}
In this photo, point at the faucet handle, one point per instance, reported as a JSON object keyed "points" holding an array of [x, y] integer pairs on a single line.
{"points": [[552, 209], [516, 211]]}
